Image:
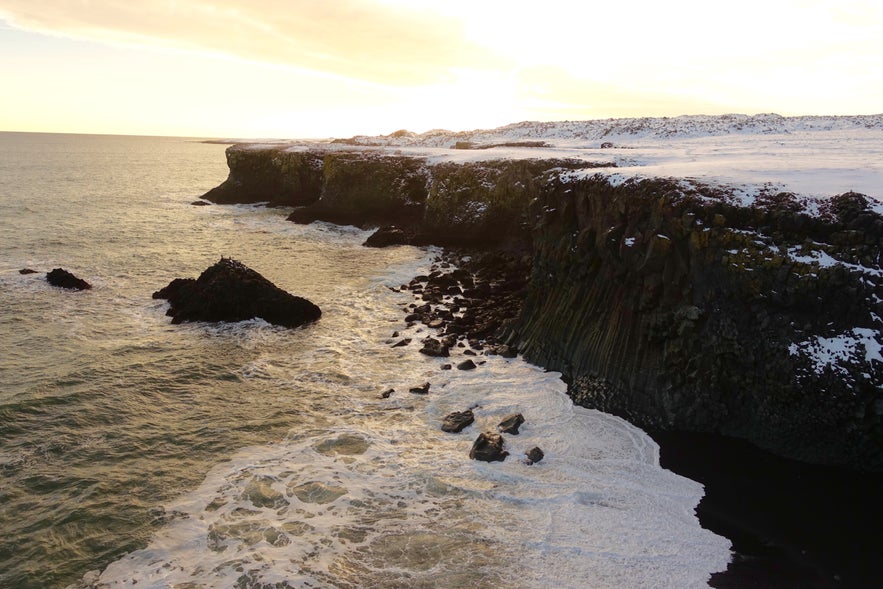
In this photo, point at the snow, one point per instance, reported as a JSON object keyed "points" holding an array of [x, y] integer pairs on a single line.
{"points": [[831, 352], [815, 157]]}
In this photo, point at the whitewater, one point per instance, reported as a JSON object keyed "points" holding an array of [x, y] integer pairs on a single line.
{"points": [[136, 453]]}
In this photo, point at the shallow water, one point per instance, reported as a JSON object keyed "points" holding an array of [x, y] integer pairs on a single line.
{"points": [[249, 455]]}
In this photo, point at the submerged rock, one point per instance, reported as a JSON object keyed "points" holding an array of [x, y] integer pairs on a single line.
{"points": [[27, 271], [458, 420], [534, 455], [387, 236], [511, 424], [488, 447], [229, 291], [421, 390], [466, 365], [63, 279]]}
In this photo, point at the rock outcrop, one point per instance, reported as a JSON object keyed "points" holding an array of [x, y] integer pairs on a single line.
{"points": [[661, 301], [63, 279], [229, 291]]}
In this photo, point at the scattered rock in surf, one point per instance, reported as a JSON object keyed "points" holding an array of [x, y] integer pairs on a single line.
{"points": [[421, 390], [488, 447], [401, 343], [504, 350], [62, 278], [387, 236], [469, 353], [27, 271], [446, 367], [201, 203], [229, 291], [534, 455], [435, 348], [511, 424], [458, 420], [466, 365], [386, 394]]}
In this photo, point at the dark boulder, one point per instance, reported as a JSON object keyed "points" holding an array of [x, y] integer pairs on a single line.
{"points": [[534, 455], [421, 390], [387, 236], [458, 420], [27, 271], [489, 448], [466, 365], [435, 348], [64, 279], [229, 291], [402, 343], [387, 393], [511, 424]]}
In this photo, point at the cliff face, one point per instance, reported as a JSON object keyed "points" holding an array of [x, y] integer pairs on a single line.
{"points": [[658, 301], [677, 312]]}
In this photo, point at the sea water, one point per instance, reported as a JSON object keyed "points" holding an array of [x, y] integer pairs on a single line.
{"points": [[136, 453]]}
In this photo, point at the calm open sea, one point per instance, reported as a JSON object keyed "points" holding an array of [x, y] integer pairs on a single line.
{"points": [[247, 455]]}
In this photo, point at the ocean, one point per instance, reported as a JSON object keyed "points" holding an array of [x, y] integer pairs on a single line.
{"points": [[136, 453]]}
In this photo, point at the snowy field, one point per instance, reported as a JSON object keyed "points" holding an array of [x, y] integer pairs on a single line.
{"points": [[815, 157]]}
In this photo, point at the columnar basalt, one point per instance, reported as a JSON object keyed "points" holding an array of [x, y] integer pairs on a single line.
{"points": [[658, 300]]}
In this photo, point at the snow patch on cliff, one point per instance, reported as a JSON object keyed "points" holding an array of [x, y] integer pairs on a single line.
{"points": [[832, 352]]}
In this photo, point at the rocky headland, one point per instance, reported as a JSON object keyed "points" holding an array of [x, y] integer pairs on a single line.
{"points": [[681, 304]]}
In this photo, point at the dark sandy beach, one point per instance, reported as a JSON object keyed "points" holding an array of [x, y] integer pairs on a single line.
{"points": [[793, 525]]}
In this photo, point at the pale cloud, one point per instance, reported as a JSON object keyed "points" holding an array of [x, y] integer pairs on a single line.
{"points": [[372, 41]]}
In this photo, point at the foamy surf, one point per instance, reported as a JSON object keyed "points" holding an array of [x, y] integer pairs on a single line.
{"points": [[376, 495]]}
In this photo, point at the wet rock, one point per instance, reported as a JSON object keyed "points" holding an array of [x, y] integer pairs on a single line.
{"points": [[27, 271], [488, 447], [466, 365], [458, 420], [511, 424], [63, 279], [446, 367], [387, 236], [200, 203], [229, 291], [401, 343], [435, 348], [534, 455], [386, 394], [420, 390]]}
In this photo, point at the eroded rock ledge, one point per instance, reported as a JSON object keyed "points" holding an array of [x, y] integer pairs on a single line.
{"points": [[660, 301]]}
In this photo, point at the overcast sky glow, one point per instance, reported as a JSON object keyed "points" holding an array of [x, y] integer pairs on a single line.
{"points": [[300, 68]]}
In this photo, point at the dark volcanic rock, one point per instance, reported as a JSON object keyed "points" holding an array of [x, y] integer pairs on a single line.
{"points": [[64, 279], [489, 448], [458, 420], [402, 343], [435, 348], [421, 390], [229, 291], [387, 393], [389, 235], [27, 271], [534, 455], [466, 365], [200, 203], [511, 424]]}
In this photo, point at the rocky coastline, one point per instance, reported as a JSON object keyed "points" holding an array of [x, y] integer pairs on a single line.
{"points": [[665, 302]]}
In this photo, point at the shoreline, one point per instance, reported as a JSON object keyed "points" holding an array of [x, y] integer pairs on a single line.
{"points": [[792, 524]]}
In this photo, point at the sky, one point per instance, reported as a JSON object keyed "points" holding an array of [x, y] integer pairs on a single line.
{"points": [[337, 68]]}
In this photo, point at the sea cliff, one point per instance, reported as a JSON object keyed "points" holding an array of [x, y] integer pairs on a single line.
{"points": [[667, 302]]}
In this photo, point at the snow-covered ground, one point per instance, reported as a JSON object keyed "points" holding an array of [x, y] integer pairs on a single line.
{"points": [[810, 156]]}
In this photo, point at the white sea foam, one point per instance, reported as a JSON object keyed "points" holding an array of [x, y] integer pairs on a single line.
{"points": [[376, 495]]}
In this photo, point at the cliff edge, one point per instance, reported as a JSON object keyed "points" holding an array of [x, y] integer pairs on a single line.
{"points": [[676, 303]]}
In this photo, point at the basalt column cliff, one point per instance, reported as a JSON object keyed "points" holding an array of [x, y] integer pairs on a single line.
{"points": [[658, 300]]}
